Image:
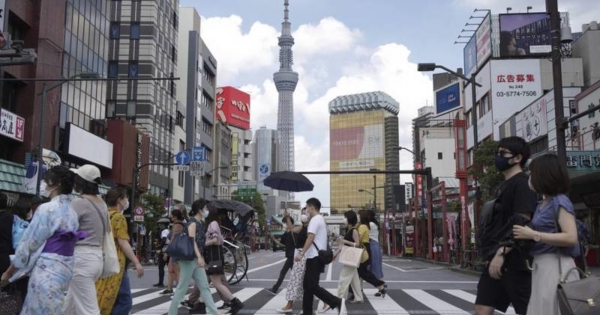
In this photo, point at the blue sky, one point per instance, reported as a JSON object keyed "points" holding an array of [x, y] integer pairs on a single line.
{"points": [[345, 47]]}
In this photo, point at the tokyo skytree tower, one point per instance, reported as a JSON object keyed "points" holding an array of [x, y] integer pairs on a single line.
{"points": [[286, 81]]}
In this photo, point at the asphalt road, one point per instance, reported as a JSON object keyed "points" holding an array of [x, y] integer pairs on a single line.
{"points": [[414, 287]]}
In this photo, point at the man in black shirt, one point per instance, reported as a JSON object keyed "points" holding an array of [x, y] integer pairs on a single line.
{"points": [[507, 279], [287, 240]]}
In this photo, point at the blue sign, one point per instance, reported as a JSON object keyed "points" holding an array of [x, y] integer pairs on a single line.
{"points": [[470, 56], [182, 158], [198, 154], [447, 98], [264, 169]]}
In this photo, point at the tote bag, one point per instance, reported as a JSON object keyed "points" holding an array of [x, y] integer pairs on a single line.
{"points": [[350, 256], [109, 250]]}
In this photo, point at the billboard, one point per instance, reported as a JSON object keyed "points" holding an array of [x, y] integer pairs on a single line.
{"points": [[447, 98], [365, 142], [11, 125], [525, 34], [234, 156], [484, 40], [533, 119], [470, 56], [233, 107]]}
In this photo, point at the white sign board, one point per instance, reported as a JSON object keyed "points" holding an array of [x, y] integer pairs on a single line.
{"points": [[533, 120], [408, 192], [182, 168], [11, 125], [197, 169], [515, 84], [484, 40]]}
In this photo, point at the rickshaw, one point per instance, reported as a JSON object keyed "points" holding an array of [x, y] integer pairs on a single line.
{"points": [[236, 220]]}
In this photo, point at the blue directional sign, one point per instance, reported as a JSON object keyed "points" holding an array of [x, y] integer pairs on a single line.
{"points": [[198, 154], [183, 158]]}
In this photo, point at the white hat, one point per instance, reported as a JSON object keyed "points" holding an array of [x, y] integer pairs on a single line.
{"points": [[88, 172]]}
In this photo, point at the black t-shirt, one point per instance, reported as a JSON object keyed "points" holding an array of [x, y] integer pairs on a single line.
{"points": [[288, 241], [517, 199]]}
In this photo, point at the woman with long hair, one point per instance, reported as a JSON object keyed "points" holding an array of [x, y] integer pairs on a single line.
{"points": [[114, 292], [363, 271], [375, 253], [46, 248], [554, 230], [194, 268], [214, 255], [295, 290], [178, 225], [93, 218]]}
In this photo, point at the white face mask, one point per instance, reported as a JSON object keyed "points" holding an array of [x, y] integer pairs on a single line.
{"points": [[126, 205], [47, 191], [204, 213], [304, 218]]}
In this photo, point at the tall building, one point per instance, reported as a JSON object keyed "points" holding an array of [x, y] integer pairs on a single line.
{"points": [[143, 44], [285, 81], [363, 137], [197, 70], [268, 159], [223, 167]]}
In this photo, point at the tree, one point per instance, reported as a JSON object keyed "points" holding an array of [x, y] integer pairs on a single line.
{"points": [[256, 202], [484, 169], [155, 209]]}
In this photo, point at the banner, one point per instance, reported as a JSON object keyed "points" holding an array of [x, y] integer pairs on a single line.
{"points": [[526, 34], [447, 98]]}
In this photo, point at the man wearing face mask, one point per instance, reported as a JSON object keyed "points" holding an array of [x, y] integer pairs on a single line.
{"points": [[287, 240], [507, 280]]}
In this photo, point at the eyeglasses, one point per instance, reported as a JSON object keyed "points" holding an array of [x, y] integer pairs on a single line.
{"points": [[503, 152]]}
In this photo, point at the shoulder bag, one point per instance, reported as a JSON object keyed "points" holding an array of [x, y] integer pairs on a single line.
{"points": [[215, 264], [182, 246], [325, 256], [579, 297], [109, 250]]}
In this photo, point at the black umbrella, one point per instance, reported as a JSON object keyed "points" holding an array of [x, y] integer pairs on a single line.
{"points": [[232, 205], [288, 181]]}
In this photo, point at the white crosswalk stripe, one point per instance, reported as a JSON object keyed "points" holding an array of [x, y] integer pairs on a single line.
{"points": [[397, 302]]}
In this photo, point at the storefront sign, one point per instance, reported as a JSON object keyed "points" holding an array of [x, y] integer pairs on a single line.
{"points": [[11, 125], [410, 239], [234, 156], [583, 161]]}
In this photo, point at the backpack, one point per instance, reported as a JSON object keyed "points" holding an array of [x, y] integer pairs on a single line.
{"points": [[489, 232]]}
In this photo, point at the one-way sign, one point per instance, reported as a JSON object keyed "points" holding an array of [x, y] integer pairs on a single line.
{"points": [[182, 158]]}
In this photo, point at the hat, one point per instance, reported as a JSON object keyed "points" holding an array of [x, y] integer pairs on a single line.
{"points": [[88, 172]]}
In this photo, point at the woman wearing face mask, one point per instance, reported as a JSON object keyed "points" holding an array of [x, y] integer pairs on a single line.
{"points": [[46, 248], [114, 292], [295, 290]]}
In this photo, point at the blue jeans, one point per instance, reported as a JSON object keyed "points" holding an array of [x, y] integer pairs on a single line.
{"points": [[189, 269], [124, 302]]}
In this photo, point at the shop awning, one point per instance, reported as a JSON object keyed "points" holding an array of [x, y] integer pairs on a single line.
{"points": [[11, 176]]}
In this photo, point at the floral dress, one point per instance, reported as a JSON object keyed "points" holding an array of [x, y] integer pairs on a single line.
{"points": [[50, 272], [295, 289], [108, 288]]}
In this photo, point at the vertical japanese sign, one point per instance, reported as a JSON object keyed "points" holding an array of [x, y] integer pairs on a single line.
{"points": [[11, 125], [234, 156], [419, 180]]}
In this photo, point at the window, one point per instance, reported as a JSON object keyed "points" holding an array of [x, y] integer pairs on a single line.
{"points": [[135, 31], [133, 69], [440, 156], [173, 54], [113, 69], [573, 107], [115, 30], [131, 108], [110, 109], [175, 20], [179, 119]]}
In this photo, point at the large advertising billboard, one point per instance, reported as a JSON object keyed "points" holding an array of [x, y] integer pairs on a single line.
{"points": [[357, 143], [470, 56], [447, 98], [525, 34], [484, 40], [233, 107]]}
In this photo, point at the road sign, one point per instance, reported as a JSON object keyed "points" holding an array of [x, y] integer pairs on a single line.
{"points": [[182, 168], [198, 154], [138, 214], [183, 158], [197, 168]]}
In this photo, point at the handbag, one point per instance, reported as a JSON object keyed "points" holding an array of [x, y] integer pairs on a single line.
{"points": [[215, 266], [111, 265], [10, 302], [579, 297], [364, 256], [350, 256], [325, 256], [182, 247]]}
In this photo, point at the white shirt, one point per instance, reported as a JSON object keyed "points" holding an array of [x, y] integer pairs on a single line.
{"points": [[165, 234], [373, 231], [318, 227]]}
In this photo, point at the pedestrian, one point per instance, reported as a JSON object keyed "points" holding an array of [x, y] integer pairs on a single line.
{"points": [[363, 271], [92, 213], [114, 292], [349, 275], [50, 268], [178, 225], [315, 241], [375, 252], [162, 257], [506, 279], [194, 268], [214, 254], [12, 228], [295, 289], [288, 242], [554, 230]]}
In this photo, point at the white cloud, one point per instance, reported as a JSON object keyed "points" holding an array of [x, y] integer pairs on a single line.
{"points": [[385, 68], [580, 11]]}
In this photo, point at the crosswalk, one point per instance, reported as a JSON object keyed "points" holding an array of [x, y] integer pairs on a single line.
{"points": [[397, 302]]}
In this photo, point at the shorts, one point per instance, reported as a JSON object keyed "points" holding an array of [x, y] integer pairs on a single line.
{"points": [[514, 287]]}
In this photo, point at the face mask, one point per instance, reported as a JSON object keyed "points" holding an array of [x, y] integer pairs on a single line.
{"points": [[126, 205], [204, 214], [304, 218], [503, 163], [47, 191]]}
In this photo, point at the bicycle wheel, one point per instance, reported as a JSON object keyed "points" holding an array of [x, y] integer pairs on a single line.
{"points": [[229, 263], [241, 258]]}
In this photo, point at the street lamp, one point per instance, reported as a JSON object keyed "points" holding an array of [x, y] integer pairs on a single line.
{"points": [[204, 181], [91, 76]]}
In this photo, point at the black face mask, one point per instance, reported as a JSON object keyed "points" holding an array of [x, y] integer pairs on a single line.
{"points": [[503, 163]]}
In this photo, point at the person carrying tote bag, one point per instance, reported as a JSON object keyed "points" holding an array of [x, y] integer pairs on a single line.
{"points": [[353, 256]]}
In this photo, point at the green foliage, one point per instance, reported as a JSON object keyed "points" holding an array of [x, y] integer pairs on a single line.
{"points": [[155, 209], [484, 169], [256, 203]]}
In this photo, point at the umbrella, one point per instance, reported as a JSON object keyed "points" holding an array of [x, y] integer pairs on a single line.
{"points": [[288, 181], [232, 205]]}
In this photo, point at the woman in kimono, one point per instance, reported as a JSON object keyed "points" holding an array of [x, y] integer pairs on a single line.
{"points": [[46, 248]]}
